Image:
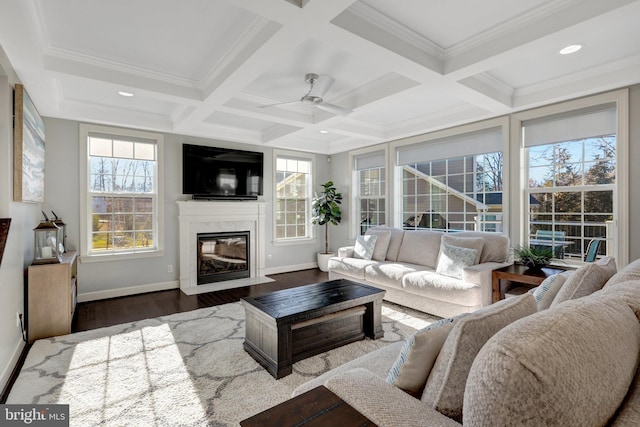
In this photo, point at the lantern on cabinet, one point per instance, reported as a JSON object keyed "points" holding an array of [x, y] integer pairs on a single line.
{"points": [[62, 233], [46, 248]]}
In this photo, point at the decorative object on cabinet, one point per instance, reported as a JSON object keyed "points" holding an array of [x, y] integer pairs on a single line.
{"points": [[62, 234], [51, 296], [46, 249], [4, 232], [28, 149]]}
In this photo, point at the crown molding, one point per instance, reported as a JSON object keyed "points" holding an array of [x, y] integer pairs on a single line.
{"points": [[393, 27]]}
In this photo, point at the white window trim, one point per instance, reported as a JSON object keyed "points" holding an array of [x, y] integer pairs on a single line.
{"points": [[312, 235], [502, 122], [85, 236], [519, 230], [354, 189]]}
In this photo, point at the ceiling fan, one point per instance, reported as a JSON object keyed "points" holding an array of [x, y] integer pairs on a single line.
{"points": [[319, 86]]}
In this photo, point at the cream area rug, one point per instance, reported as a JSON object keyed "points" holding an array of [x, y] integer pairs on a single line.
{"points": [[186, 369]]}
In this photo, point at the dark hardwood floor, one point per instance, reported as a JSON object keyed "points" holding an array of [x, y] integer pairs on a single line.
{"points": [[98, 314]]}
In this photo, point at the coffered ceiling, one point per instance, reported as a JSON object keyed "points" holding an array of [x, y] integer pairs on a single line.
{"points": [[208, 67]]}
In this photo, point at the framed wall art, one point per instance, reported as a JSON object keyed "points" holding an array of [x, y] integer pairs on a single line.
{"points": [[28, 149]]}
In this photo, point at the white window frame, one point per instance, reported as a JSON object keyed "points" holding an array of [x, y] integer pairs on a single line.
{"points": [[311, 233], [354, 191], [520, 229], [434, 138], [85, 176]]}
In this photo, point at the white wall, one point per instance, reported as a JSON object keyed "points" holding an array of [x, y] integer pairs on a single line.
{"points": [[110, 278], [18, 252]]}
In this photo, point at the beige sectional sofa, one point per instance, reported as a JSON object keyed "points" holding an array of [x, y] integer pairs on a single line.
{"points": [[514, 362], [405, 264]]}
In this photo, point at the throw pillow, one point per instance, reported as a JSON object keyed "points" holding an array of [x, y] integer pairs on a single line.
{"points": [[382, 243], [444, 390], [586, 280], [547, 290], [476, 243], [412, 366], [364, 246], [452, 259], [630, 272]]}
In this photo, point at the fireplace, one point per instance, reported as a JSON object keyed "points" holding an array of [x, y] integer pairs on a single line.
{"points": [[208, 217], [223, 256]]}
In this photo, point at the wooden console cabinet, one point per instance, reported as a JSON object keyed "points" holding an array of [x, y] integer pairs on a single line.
{"points": [[50, 298]]}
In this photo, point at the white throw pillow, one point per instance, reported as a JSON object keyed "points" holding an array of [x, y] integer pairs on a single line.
{"points": [[456, 239], [365, 246], [452, 259], [586, 280], [547, 290], [412, 366]]}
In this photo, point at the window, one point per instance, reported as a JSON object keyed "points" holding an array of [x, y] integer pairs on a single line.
{"points": [[370, 177], [121, 211], [293, 197], [571, 180], [444, 191]]}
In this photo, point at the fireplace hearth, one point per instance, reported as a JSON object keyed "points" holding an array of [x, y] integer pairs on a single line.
{"points": [[223, 256]]}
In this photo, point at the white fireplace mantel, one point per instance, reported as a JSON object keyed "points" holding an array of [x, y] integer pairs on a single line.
{"points": [[215, 217]]}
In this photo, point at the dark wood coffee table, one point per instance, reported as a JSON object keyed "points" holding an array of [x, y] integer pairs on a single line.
{"points": [[318, 407], [286, 326], [521, 274]]}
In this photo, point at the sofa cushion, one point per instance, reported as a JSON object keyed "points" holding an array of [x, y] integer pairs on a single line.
{"points": [[352, 267], [382, 243], [586, 280], [630, 272], [442, 288], [444, 390], [420, 247], [390, 273], [415, 360], [570, 365], [364, 246], [476, 243], [497, 246], [452, 259], [396, 235], [548, 289]]}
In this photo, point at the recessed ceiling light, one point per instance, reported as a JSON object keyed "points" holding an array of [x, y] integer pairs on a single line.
{"points": [[123, 93], [571, 49], [324, 131]]}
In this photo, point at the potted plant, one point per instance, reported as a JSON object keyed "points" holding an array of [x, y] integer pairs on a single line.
{"points": [[534, 257], [325, 210]]}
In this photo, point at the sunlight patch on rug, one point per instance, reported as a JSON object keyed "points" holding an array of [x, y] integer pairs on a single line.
{"points": [[185, 369]]}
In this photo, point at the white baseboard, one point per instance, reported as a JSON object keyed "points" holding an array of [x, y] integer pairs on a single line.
{"points": [[289, 268], [122, 292], [11, 364], [134, 290]]}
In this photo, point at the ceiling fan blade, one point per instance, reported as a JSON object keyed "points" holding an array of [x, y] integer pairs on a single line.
{"points": [[334, 109], [322, 85], [278, 103]]}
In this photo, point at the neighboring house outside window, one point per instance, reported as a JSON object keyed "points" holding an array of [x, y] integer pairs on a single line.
{"points": [[453, 183], [293, 180], [121, 210]]}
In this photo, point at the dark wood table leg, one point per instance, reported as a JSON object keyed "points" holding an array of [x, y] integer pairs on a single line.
{"points": [[495, 286], [373, 320]]}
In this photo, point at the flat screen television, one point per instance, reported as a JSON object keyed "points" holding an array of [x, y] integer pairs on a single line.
{"points": [[213, 173]]}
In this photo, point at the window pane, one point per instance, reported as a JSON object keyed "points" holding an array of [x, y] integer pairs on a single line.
{"points": [[292, 193], [144, 151]]}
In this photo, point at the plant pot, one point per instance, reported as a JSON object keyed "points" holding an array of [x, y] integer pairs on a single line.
{"points": [[323, 260]]}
